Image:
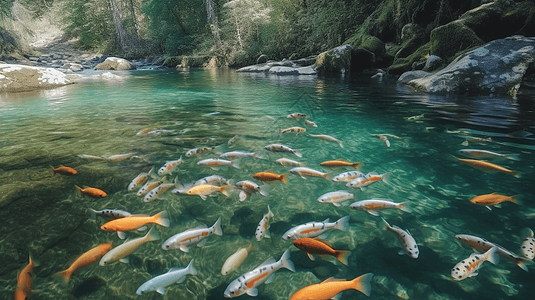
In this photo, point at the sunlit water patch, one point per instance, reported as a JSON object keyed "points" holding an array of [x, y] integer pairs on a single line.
{"points": [[43, 214]]}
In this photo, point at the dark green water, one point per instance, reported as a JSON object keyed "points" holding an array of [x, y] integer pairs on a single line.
{"points": [[43, 215]]}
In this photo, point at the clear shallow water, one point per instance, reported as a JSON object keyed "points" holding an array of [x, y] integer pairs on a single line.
{"points": [[207, 108]]}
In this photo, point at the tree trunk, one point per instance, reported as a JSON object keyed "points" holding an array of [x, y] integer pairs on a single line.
{"points": [[121, 33]]}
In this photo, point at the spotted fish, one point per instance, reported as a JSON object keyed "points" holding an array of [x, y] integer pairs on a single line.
{"points": [[190, 237], [468, 267], [405, 239], [262, 230]]}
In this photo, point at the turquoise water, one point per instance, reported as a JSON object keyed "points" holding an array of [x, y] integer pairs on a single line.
{"points": [[43, 215]]}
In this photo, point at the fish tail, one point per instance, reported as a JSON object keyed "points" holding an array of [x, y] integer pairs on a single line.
{"points": [[53, 170], [217, 227], [356, 165], [387, 226], [162, 218], [363, 283], [515, 157], [515, 174], [515, 199], [270, 214], [152, 235], [264, 190], [343, 256], [286, 262], [93, 213], [385, 177], [79, 191], [191, 269], [492, 256], [63, 276], [225, 190], [342, 224], [34, 261], [236, 164], [405, 206], [297, 153], [520, 263], [340, 143], [283, 178], [326, 176]]}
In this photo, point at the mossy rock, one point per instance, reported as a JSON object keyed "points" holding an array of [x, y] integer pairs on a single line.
{"points": [[171, 61], [334, 61], [449, 39], [369, 43], [403, 65], [485, 20]]}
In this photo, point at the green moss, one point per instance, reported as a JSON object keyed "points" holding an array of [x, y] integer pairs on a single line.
{"points": [[405, 64], [449, 39], [172, 61]]}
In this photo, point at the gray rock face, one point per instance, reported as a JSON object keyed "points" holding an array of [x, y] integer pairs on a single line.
{"points": [[287, 67], [115, 63], [411, 75], [432, 63], [495, 68], [18, 78], [334, 61]]}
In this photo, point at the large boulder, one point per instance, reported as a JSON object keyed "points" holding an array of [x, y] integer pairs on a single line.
{"points": [[412, 37], [334, 61], [448, 40], [19, 78], [115, 63], [496, 68]]}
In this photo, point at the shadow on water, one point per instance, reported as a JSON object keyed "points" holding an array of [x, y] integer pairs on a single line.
{"points": [[89, 286]]}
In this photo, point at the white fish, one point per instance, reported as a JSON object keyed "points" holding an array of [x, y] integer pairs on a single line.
{"points": [[248, 282], [314, 229], [139, 180], [169, 167], [190, 237], [405, 239], [308, 172], [327, 138], [149, 186], [262, 230], [468, 267], [94, 157], [214, 163], [282, 148], [213, 180], [161, 282], [481, 245], [296, 116], [248, 187], [109, 213], [288, 162], [310, 123], [239, 154], [348, 176], [486, 154], [528, 244], [157, 192], [336, 197], [363, 182], [198, 151], [296, 130], [159, 131], [383, 138], [233, 140], [476, 140], [371, 206], [120, 157], [417, 118], [235, 260], [121, 252]]}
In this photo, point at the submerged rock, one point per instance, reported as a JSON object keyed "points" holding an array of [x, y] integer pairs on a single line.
{"points": [[115, 63], [496, 68], [19, 78]]}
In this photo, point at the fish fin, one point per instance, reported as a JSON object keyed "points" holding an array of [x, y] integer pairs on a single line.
{"points": [[264, 190], [476, 251], [182, 279], [515, 157], [331, 279], [385, 177], [405, 206], [343, 256], [217, 227], [286, 262], [363, 188], [337, 296], [152, 235], [267, 262], [473, 274], [162, 218], [311, 256], [492, 256], [161, 290], [79, 191], [214, 168], [373, 213], [202, 243], [515, 199], [336, 204], [356, 165], [325, 235], [93, 213], [243, 196], [121, 235], [526, 232], [184, 249], [225, 190], [498, 205], [515, 174], [465, 143], [267, 235], [283, 178], [340, 143], [326, 220], [252, 292], [363, 283], [270, 279], [297, 153], [401, 252], [488, 207], [63, 277], [342, 224], [521, 264], [124, 260], [203, 197]]}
